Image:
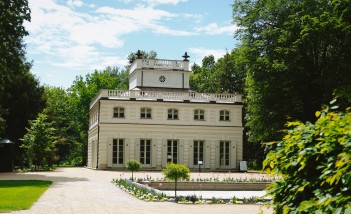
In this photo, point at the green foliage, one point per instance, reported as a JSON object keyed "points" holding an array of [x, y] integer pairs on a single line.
{"points": [[133, 166], [314, 161], [58, 111], [226, 75], [20, 194], [176, 172], [297, 56], [39, 142], [82, 91], [20, 93]]}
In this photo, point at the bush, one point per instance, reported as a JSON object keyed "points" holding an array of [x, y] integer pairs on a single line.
{"points": [[314, 161], [133, 166]]}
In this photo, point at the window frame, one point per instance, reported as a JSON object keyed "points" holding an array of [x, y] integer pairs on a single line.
{"points": [[117, 111], [145, 113], [172, 114], [224, 115], [199, 114]]}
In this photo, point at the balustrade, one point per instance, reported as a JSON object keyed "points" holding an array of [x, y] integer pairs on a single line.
{"points": [[169, 96], [159, 64]]}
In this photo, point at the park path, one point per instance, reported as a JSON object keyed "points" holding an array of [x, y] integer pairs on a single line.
{"points": [[81, 190]]}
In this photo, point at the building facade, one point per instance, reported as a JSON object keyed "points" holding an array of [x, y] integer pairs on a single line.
{"points": [[159, 120]]}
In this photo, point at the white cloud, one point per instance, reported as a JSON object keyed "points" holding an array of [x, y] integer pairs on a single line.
{"points": [[74, 3], [157, 2], [72, 39], [214, 29], [198, 53]]}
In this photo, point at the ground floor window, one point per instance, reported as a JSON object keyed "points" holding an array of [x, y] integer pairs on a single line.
{"points": [[198, 151], [172, 151], [145, 152], [118, 151], [224, 154]]}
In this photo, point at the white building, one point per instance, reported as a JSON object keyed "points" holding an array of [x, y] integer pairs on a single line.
{"points": [[159, 120]]}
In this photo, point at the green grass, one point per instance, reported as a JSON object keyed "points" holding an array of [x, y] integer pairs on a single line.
{"points": [[20, 194]]}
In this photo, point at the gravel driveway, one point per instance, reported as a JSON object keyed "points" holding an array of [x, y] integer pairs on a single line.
{"points": [[81, 190]]}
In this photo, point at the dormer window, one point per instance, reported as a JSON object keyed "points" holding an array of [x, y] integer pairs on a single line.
{"points": [[172, 114], [199, 114], [145, 113], [118, 112]]}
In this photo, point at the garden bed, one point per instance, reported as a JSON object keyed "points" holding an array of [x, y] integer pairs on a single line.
{"points": [[150, 194], [207, 186]]}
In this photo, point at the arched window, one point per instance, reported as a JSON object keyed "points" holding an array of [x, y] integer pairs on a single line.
{"points": [[118, 112], [172, 114], [199, 114]]}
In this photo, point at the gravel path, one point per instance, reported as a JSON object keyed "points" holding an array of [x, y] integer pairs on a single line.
{"points": [[81, 190]]}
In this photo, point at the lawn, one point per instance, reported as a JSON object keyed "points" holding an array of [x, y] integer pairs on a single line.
{"points": [[20, 194]]}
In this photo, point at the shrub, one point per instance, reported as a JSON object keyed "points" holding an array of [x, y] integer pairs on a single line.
{"points": [[315, 163], [133, 166]]}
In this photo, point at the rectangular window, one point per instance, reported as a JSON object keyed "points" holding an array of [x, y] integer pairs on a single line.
{"points": [[224, 115], [145, 113], [118, 151], [199, 114], [172, 114], [145, 152], [224, 154], [172, 151], [198, 152], [118, 112]]}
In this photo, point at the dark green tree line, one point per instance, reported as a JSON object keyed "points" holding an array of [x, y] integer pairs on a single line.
{"points": [[298, 56], [20, 92]]}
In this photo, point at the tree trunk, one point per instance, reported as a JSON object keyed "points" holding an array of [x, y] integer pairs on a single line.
{"points": [[175, 188]]}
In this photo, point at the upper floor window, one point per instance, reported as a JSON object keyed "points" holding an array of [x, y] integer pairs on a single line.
{"points": [[145, 113], [118, 112], [224, 115], [172, 114], [199, 114]]}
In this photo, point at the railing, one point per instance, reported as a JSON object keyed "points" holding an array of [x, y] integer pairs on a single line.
{"points": [[159, 64], [168, 96]]}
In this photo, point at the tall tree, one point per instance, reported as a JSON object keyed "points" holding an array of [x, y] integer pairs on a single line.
{"points": [[20, 93], [82, 91], [58, 111], [39, 142], [298, 56]]}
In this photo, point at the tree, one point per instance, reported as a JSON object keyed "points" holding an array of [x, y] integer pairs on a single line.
{"points": [[58, 111], [82, 91], [39, 142], [145, 55], [203, 78], [133, 166], [298, 57], [175, 172], [20, 92], [314, 162]]}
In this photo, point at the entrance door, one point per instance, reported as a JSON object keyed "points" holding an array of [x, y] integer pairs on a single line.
{"points": [[118, 152], [145, 152], [172, 151], [224, 154], [198, 153]]}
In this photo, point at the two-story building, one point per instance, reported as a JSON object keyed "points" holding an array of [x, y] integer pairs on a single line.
{"points": [[159, 120]]}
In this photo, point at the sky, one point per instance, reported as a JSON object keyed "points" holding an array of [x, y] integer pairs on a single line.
{"points": [[68, 38]]}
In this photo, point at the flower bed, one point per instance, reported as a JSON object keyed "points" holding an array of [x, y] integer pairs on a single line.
{"points": [[149, 194]]}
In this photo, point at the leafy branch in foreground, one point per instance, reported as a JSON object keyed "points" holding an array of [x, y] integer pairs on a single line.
{"points": [[314, 161]]}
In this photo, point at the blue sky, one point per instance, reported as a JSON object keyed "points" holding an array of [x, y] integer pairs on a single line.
{"points": [[68, 38]]}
